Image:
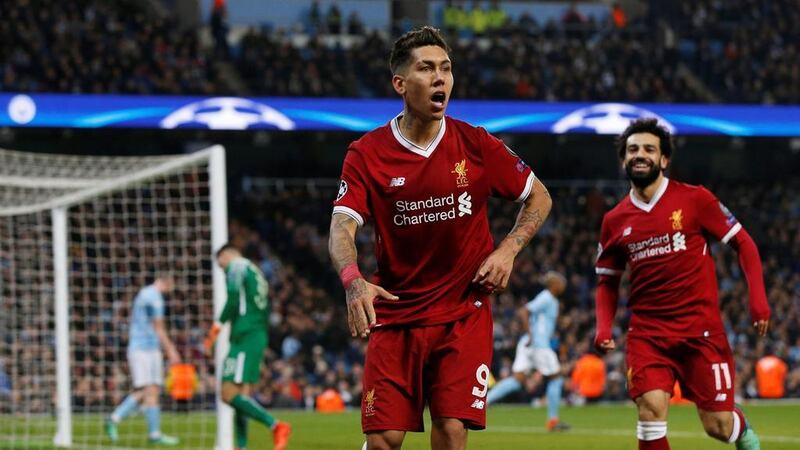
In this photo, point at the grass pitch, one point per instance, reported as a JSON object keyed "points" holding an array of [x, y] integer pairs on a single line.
{"points": [[606, 427]]}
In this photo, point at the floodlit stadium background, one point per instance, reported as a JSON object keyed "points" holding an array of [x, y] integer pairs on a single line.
{"points": [[285, 86]]}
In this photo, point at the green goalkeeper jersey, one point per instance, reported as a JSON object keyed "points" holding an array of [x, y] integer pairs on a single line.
{"points": [[247, 306]]}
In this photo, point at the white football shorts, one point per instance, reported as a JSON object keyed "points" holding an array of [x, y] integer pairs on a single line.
{"points": [[147, 367], [527, 359]]}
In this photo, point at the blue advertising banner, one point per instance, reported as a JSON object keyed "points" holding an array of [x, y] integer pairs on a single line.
{"points": [[300, 114]]}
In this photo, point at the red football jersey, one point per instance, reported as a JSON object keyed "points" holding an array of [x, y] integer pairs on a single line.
{"points": [[429, 210], [666, 244]]}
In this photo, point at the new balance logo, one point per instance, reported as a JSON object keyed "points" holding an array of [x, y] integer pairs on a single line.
{"points": [[478, 404], [464, 204], [721, 397], [397, 181], [678, 241]]}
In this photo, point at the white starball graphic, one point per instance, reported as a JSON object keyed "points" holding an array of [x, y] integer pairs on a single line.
{"points": [[606, 118], [228, 113]]}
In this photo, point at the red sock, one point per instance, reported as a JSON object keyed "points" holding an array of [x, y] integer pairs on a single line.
{"points": [[658, 444]]}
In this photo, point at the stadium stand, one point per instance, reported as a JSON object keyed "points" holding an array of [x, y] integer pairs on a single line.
{"points": [[91, 46], [736, 52], [523, 61], [746, 51]]}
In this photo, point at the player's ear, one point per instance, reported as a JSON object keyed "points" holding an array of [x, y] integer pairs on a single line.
{"points": [[664, 162], [399, 84]]}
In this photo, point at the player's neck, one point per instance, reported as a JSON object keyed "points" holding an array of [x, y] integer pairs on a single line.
{"points": [[646, 193], [418, 131]]}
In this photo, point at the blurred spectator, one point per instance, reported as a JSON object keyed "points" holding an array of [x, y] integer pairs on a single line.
{"points": [[478, 19], [618, 16], [677, 396], [290, 346], [454, 18], [334, 19], [219, 28], [589, 378], [497, 16], [315, 18], [5, 383], [572, 16], [355, 26], [771, 376], [330, 401], [794, 353]]}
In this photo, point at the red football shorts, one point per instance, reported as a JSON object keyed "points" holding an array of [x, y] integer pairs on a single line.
{"points": [[444, 366], [703, 366]]}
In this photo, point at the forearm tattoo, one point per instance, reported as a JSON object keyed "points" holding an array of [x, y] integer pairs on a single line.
{"points": [[341, 243], [529, 220]]}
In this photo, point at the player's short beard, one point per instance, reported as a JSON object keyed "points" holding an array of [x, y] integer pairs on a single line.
{"points": [[641, 181]]}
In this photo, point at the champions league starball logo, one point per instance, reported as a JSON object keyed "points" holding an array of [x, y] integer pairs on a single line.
{"points": [[227, 113], [605, 118], [342, 190]]}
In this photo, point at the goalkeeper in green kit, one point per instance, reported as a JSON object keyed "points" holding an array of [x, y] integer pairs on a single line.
{"points": [[247, 310]]}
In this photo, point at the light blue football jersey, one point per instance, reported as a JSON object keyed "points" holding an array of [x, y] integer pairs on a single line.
{"points": [[542, 316], [147, 306]]}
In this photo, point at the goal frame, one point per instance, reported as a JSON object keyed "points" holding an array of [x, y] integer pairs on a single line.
{"points": [[214, 156]]}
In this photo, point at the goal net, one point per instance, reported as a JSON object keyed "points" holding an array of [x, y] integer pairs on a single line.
{"points": [[79, 237]]}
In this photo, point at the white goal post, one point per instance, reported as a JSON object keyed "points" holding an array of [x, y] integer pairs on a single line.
{"points": [[79, 236]]}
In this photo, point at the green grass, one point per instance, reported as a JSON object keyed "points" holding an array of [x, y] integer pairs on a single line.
{"points": [[610, 427]]}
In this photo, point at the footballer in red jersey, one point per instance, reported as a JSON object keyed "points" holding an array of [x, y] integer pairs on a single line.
{"points": [[662, 232], [424, 180]]}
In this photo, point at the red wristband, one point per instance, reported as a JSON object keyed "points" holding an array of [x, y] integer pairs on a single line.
{"points": [[349, 274]]}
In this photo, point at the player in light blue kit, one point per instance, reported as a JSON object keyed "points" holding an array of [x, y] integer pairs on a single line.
{"points": [[537, 354], [147, 336]]}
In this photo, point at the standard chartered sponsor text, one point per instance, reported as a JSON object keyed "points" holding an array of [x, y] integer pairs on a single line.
{"points": [[653, 240], [418, 212], [656, 245]]}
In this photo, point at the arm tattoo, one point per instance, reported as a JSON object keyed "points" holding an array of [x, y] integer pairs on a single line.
{"points": [[341, 242], [529, 220], [528, 223]]}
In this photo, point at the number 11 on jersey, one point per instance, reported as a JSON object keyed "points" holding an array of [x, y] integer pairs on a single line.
{"points": [[726, 373]]}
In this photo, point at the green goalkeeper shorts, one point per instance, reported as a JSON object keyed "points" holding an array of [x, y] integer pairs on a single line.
{"points": [[243, 364]]}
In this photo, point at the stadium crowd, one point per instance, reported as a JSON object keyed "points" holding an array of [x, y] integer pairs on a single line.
{"points": [[521, 60], [747, 51], [744, 51], [97, 47]]}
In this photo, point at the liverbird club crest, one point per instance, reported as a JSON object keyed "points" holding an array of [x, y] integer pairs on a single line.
{"points": [[677, 219], [460, 170]]}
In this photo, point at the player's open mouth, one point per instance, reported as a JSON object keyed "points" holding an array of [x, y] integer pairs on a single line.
{"points": [[438, 99]]}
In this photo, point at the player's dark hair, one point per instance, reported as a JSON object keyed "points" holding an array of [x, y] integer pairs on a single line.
{"points": [[405, 44], [227, 246], [646, 125]]}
